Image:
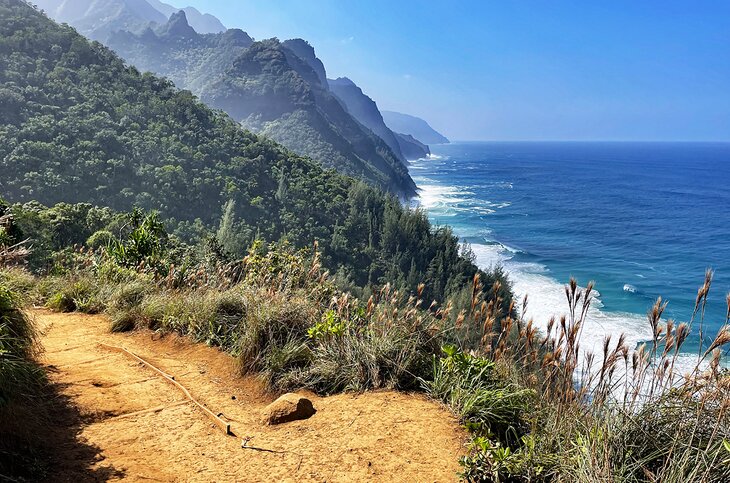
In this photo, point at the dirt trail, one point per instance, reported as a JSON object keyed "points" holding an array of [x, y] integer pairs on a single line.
{"points": [[131, 424]]}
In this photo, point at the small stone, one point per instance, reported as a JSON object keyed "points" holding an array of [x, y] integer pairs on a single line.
{"points": [[289, 407]]}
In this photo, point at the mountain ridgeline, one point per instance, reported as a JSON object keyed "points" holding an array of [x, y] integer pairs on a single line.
{"points": [[414, 126], [77, 125], [364, 110], [411, 147], [278, 89], [98, 19]]}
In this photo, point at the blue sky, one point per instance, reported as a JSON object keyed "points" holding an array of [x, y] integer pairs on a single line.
{"points": [[521, 70]]}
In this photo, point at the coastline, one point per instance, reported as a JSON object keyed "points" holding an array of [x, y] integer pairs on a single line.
{"points": [[448, 204]]}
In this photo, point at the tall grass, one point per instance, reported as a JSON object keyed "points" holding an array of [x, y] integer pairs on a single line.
{"points": [[18, 346], [21, 380], [538, 406], [619, 415]]}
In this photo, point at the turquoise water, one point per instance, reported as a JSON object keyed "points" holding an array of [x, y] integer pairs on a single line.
{"points": [[642, 220]]}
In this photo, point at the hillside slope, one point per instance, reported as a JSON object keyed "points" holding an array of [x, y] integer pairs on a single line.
{"points": [[274, 92], [78, 125], [365, 110], [177, 51], [411, 147], [273, 88], [415, 126]]}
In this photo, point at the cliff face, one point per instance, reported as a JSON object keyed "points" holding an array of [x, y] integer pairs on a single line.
{"points": [[365, 110], [411, 147], [203, 23], [273, 91], [305, 51], [278, 89], [416, 127]]}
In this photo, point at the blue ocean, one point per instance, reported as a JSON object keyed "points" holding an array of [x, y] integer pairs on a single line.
{"points": [[641, 220]]}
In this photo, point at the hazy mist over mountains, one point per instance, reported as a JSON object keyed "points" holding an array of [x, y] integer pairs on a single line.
{"points": [[97, 19], [414, 126], [279, 89]]}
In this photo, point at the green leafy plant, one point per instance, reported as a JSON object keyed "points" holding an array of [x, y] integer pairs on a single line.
{"points": [[144, 245], [331, 325]]}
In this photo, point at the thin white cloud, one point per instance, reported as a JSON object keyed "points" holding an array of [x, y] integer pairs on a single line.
{"points": [[347, 40]]}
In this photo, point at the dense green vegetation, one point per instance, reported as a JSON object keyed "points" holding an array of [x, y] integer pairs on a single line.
{"points": [[78, 126], [536, 409], [272, 90], [21, 381], [175, 50], [312, 279]]}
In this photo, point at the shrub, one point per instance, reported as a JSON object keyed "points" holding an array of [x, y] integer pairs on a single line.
{"points": [[331, 325], [82, 295], [273, 327], [21, 282], [100, 239], [472, 388], [18, 372]]}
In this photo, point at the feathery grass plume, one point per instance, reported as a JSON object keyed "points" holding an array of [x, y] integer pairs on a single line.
{"points": [[722, 338], [539, 406]]}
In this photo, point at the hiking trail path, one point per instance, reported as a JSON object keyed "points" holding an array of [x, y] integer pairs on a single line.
{"points": [[123, 421]]}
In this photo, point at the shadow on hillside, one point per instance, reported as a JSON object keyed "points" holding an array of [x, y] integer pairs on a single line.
{"points": [[42, 441]]}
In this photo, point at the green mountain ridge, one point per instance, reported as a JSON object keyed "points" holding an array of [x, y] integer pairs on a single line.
{"points": [[411, 147], [272, 90], [77, 125], [188, 59], [365, 110]]}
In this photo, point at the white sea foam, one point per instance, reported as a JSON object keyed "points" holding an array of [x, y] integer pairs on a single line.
{"points": [[438, 196], [546, 295], [546, 299], [447, 201]]}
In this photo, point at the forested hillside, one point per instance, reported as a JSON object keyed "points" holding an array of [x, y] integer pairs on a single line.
{"points": [[78, 125], [175, 50], [274, 88], [275, 92], [365, 110]]}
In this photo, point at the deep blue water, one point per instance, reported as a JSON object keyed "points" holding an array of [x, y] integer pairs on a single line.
{"points": [[642, 220]]}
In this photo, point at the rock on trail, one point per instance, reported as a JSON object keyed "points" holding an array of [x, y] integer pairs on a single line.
{"points": [[122, 421]]}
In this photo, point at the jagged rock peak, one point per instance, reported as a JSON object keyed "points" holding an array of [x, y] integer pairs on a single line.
{"points": [[178, 26], [343, 81], [238, 37], [305, 51]]}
